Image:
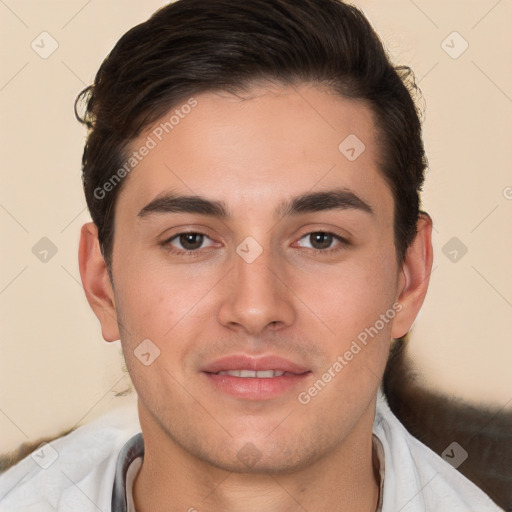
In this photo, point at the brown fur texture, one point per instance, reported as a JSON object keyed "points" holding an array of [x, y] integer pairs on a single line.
{"points": [[435, 419], [9, 459]]}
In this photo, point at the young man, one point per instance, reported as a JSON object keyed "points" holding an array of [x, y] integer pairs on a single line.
{"points": [[253, 173]]}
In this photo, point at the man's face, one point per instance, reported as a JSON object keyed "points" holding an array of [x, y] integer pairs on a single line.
{"points": [[263, 287]]}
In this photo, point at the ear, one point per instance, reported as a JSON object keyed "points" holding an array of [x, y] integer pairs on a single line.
{"points": [[96, 281], [415, 276]]}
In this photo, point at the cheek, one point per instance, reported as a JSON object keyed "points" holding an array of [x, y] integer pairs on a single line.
{"points": [[356, 303], [351, 296], [142, 307], [165, 303], [149, 311], [149, 297]]}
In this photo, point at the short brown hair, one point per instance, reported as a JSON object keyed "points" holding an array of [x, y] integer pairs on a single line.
{"points": [[193, 46]]}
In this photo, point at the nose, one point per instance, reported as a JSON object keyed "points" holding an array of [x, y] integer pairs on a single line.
{"points": [[257, 296]]}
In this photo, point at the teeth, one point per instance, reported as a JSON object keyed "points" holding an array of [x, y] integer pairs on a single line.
{"points": [[264, 374], [260, 374]]}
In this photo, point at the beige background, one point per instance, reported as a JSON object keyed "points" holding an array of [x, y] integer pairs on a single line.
{"points": [[55, 369]]}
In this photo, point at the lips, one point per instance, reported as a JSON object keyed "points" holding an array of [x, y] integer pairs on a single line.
{"points": [[244, 363], [255, 378]]}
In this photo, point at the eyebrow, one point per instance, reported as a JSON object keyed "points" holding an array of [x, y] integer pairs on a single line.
{"points": [[337, 199]]}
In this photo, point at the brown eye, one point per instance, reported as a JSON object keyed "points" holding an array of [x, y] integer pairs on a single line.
{"points": [[191, 241], [321, 240], [188, 242]]}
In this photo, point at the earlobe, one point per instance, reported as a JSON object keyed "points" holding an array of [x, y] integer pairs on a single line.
{"points": [[96, 281], [415, 273]]}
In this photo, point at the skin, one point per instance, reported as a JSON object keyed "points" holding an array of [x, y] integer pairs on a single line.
{"points": [[253, 153]]}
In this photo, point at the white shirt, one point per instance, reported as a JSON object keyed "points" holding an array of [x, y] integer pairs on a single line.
{"points": [[81, 477]]}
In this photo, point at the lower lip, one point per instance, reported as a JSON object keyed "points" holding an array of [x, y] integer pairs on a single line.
{"points": [[253, 388]]}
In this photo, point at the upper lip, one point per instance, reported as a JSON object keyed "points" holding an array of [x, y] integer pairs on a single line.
{"points": [[246, 362]]}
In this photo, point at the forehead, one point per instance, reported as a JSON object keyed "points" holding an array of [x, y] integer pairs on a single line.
{"points": [[256, 149]]}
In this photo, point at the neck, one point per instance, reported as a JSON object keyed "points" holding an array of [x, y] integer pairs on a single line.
{"points": [[172, 479]]}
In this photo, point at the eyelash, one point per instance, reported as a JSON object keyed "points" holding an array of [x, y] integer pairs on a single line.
{"points": [[343, 244]]}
